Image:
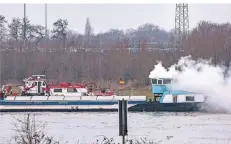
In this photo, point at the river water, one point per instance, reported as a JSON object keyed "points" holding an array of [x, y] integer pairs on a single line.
{"points": [[165, 128]]}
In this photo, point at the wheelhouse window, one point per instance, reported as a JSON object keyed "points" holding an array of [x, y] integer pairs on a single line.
{"points": [[154, 81], [71, 90], [190, 98], [166, 81], [57, 90], [30, 83], [160, 81], [35, 84]]}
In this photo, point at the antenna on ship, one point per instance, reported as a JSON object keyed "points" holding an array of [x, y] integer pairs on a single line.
{"points": [[45, 74]]}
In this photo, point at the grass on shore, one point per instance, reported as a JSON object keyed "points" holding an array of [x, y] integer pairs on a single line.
{"points": [[136, 92]]}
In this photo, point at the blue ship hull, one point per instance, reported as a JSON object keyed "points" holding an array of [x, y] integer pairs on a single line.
{"points": [[95, 106]]}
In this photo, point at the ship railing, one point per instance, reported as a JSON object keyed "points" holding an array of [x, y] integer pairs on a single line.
{"points": [[74, 98]]}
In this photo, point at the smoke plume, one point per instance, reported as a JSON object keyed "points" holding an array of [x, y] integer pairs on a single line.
{"points": [[199, 76]]}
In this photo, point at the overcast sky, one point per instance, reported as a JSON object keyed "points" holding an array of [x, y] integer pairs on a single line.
{"points": [[121, 16]]}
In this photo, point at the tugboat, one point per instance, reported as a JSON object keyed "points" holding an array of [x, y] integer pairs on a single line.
{"points": [[167, 98]]}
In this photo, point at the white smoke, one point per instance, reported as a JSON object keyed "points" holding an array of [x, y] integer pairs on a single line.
{"points": [[199, 77]]}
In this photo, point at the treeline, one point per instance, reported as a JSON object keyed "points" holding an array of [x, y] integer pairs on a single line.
{"points": [[105, 57]]}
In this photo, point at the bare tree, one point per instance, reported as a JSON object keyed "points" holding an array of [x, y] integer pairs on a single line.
{"points": [[25, 28], [60, 30], [3, 29], [14, 28], [88, 32], [29, 131], [37, 33]]}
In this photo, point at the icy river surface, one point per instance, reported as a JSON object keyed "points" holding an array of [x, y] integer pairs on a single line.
{"points": [[164, 128]]}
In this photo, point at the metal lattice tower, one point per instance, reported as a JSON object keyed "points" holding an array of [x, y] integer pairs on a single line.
{"points": [[181, 24]]}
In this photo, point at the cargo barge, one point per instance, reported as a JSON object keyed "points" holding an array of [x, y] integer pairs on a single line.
{"points": [[37, 95]]}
